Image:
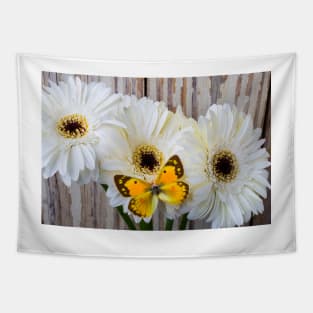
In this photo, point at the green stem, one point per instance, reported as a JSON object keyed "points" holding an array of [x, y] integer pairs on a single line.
{"points": [[169, 224], [126, 218], [146, 226], [123, 215], [183, 222]]}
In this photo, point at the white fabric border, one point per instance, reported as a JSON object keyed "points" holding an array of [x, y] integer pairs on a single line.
{"points": [[275, 238]]}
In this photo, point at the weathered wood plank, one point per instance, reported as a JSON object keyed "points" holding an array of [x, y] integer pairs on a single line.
{"points": [[57, 197], [265, 218]]}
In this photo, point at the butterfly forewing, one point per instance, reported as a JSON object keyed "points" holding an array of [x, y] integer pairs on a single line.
{"points": [[171, 171], [130, 186]]}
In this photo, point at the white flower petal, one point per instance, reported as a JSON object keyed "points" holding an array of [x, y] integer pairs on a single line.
{"points": [[89, 156]]}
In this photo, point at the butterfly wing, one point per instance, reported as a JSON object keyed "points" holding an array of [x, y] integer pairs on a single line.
{"points": [[143, 202], [171, 171], [143, 205], [130, 186], [174, 193]]}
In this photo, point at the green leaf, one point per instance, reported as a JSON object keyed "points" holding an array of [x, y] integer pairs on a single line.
{"points": [[105, 187], [123, 215]]}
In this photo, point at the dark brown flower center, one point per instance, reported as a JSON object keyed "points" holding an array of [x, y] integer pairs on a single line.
{"points": [[224, 166], [72, 126], [147, 159]]}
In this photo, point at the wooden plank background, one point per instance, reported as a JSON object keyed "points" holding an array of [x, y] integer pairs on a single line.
{"points": [[251, 94]]}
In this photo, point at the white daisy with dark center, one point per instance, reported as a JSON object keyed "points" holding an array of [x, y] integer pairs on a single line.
{"points": [[152, 135], [234, 162], [74, 117]]}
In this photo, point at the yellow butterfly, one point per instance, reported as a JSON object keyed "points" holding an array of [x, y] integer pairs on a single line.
{"points": [[145, 196]]}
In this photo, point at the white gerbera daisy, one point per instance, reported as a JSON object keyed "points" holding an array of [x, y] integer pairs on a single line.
{"points": [[235, 165], [151, 136], [193, 153], [73, 116]]}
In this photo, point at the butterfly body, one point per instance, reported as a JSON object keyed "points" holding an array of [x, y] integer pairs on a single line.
{"points": [[145, 196], [155, 189]]}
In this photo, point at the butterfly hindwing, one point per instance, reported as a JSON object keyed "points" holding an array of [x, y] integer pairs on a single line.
{"points": [[130, 186], [144, 204], [171, 171], [174, 193]]}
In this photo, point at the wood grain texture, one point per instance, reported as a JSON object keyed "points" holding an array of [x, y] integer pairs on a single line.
{"points": [[249, 92]]}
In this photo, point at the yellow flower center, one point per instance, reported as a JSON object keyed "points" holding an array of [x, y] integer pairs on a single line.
{"points": [[73, 126], [224, 166], [147, 159]]}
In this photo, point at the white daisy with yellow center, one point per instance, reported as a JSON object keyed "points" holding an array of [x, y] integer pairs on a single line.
{"points": [[151, 136], [235, 165], [74, 117]]}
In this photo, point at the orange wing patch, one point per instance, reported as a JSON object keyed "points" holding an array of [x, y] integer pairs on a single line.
{"points": [[171, 171], [130, 186]]}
